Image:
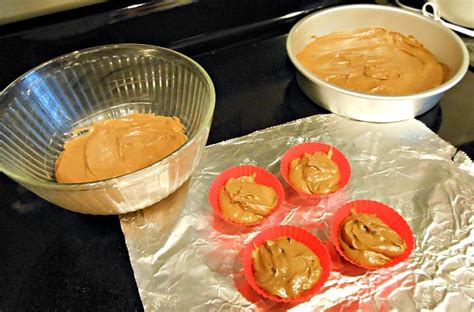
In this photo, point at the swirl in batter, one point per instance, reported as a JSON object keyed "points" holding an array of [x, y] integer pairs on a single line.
{"points": [[115, 147], [367, 240], [374, 60], [244, 201], [285, 267], [314, 173]]}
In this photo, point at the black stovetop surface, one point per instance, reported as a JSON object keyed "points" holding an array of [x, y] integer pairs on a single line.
{"points": [[53, 259]]}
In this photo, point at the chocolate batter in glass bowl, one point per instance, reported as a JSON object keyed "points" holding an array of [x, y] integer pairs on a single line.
{"points": [[109, 149]]}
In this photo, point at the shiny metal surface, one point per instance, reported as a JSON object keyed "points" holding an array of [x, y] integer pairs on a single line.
{"points": [[39, 110], [442, 42], [185, 259]]}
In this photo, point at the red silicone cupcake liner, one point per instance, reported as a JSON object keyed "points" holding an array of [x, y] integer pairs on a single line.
{"points": [[384, 213], [312, 147], [299, 235], [262, 176]]}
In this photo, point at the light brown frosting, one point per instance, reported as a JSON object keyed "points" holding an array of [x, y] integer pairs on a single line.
{"points": [[367, 240], [116, 147], [243, 201], [285, 267], [314, 173], [374, 60]]}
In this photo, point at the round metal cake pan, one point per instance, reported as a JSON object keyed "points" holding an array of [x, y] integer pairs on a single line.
{"points": [[446, 46]]}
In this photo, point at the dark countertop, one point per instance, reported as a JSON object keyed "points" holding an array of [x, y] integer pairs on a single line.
{"points": [[53, 259]]}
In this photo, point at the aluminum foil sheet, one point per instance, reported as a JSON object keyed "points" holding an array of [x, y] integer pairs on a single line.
{"points": [[185, 259]]}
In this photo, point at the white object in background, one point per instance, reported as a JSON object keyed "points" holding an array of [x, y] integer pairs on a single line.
{"points": [[460, 12], [17, 10], [436, 15]]}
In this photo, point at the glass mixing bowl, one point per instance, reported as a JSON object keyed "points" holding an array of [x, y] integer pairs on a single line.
{"points": [[39, 110]]}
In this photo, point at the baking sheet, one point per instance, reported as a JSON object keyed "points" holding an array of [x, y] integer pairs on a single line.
{"points": [[185, 259]]}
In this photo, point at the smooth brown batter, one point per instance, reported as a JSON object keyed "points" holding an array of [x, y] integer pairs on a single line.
{"points": [[116, 147], [314, 173], [374, 60], [367, 240], [243, 201], [285, 267]]}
